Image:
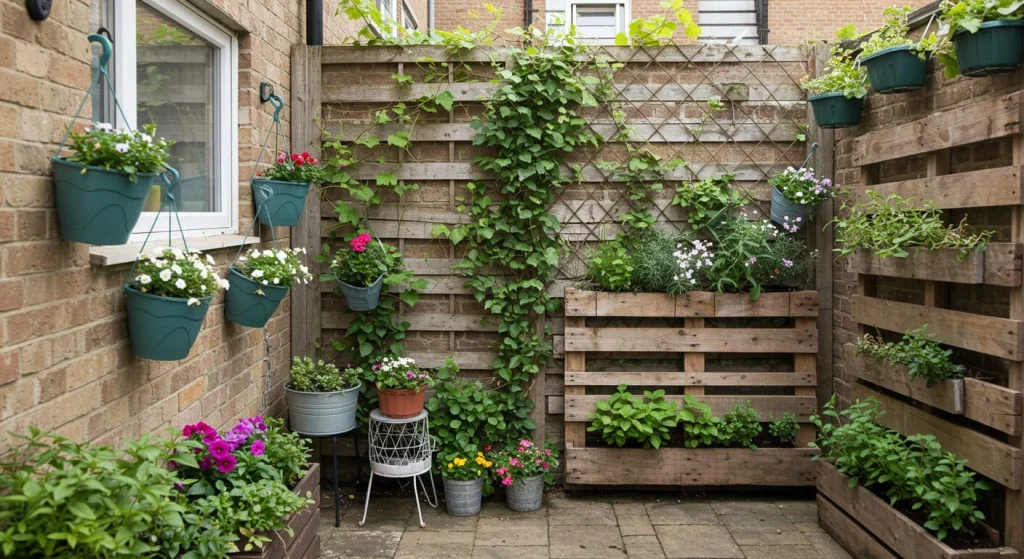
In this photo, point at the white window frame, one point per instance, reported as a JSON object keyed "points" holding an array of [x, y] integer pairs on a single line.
{"points": [[193, 224], [621, 24], [407, 14], [393, 15]]}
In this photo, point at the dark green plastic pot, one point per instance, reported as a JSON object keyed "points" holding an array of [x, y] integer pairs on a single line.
{"points": [[784, 210], [895, 70], [997, 48], [98, 207], [244, 305], [285, 202], [834, 110], [163, 328]]}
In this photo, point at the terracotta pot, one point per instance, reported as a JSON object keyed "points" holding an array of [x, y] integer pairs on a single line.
{"points": [[401, 404]]}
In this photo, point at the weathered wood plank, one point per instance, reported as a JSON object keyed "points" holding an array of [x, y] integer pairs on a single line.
{"points": [[635, 304], [1000, 337], [740, 305], [946, 395], [466, 170], [1000, 186], [999, 264], [580, 303], [575, 433], [479, 360], [804, 304], [424, 322], [704, 340], [982, 119], [779, 467], [901, 534], [993, 405], [859, 542], [615, 378], [985, 455], [579, 408]]}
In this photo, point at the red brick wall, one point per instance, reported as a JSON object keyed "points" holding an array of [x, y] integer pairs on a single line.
{"points": [[798, 21]]}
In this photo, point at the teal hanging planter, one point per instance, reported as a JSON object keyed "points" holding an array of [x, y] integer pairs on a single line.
{"points": [[997, 48], [244, 304], [98, 207], [361, 299], [896, 70], [783, 208], [835, 110], [163, 328], [280, 203]]}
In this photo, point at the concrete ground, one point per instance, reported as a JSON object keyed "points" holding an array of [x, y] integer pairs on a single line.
{"points": [[593, 526]]}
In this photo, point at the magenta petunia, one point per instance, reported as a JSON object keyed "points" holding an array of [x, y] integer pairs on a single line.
{"points": [[219, 448], [225, 464], [205, 463], [188, 430], [257, 448]]}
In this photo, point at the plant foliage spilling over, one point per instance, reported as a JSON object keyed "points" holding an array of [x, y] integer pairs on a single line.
{"points": [[893, 33], [844, 74], [892, 225], [130, 152], [319, 376], [923, 356], [784, 429], [912, 471], [709, 200], [624, 418]]}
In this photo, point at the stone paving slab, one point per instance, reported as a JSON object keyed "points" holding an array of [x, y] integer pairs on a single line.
{"points": [[643, 547], [585, 542], [512, 531], [435, 545], [679, 513]]}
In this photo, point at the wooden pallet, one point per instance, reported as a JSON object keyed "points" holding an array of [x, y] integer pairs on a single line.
{"points": [[690, 337]]}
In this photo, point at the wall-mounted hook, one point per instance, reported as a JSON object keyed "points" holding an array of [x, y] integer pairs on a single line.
{"points": [[266, 92], [38, 10]]}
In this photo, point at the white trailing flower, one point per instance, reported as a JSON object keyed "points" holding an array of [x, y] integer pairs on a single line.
{"points": [[193, 301], [166, 275], [170, 272], [144, 279], [691, 260], [180, 284], [280, 267]]}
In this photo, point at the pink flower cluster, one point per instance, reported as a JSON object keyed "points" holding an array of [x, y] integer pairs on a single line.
{"points": [[359, 243], [526, 461], [219, 448], [297, 159]]}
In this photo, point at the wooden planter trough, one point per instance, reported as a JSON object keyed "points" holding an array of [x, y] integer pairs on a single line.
{"points": [[681, 331], [868, 527], [304, 543]]}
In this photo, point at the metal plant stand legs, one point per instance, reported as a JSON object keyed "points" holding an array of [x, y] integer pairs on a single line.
{"points": [[401, 448], [415, 492]]}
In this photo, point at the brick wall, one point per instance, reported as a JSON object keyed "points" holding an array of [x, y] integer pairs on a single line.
{"points": [[799, 21], [65, 363]]}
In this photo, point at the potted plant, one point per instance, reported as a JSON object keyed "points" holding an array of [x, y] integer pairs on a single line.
{"points": [[321, 400], [260, 279], [280, 190], [167, 300], [524, 471], [796, 194], [100, 188], [894, 62], [987, 34], [837, 97], [464, 474], [360, 268], [401, 386]]}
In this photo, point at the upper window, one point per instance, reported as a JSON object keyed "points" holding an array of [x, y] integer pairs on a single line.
{"points": [[408, 18], [599, 21], [728, 21], [177, 69]]}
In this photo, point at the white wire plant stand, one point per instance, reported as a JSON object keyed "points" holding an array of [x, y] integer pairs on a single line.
{"points": [[401, 448]]}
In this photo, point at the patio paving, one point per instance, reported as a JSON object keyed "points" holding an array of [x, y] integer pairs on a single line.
{"points": [[584, 526]]}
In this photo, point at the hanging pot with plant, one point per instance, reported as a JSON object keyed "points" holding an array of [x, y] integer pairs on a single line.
{"points": [[796, 194], [260, 280], [321, 400], [360, 268], [896, 63], [837, 97], [987, 37], [401, 386], [100, 189]]}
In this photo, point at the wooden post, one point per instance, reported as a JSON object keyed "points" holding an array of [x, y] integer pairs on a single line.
{"points": [[1013, 534], [805, 363], [693, 362], [305, 322]]}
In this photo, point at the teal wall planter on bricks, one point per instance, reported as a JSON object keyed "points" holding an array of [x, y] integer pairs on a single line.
{"points": [[285, 206], [361, 299], [835, 110], [895, 70], [997, 48], [783, 207], [98, 207], [163, 328], [243, 305]]}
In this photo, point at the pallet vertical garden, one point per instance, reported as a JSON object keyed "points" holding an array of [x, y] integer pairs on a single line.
{"points": [[977, 419], [691, 328]]}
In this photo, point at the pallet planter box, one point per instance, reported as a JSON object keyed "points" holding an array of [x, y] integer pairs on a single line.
{"points": [[304, 543], [688, 337], [868, 527], [999, 264]]}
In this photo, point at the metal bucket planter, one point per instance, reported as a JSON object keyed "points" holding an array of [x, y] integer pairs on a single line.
{"points": [[322, 413], [895, 70], [284, 206], [97, 206], [835, 110], [526, 494], [163, 328], [401, 403], [997, 48], [243, 305], [361, 299], [783, 207], [462, 498]]}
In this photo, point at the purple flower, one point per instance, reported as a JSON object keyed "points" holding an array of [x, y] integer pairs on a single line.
{"points": [[219, 448], [206, 463], [180, 487], [257, 448], [753, 259], [226, 464], [376, 366], [787, 262]]}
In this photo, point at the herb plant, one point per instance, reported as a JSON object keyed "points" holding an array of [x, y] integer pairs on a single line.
{"points": [[893, 33], [844, 76], [968, 15], [784, 429], [624, 417], [295, 167], [751, 254], [401, 373], [891, 226], [319, 376], [923, 356], [130, 152], [708, 200], [610, 266], [280, 267], [169, 272], [700, 426], [740, 426], [654, 262]]}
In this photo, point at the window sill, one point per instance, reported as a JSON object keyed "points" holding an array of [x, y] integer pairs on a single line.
{"points": [[123, 254]]}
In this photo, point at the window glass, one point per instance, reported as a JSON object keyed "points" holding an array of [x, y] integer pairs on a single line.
{"points": [[599, 21], [724, 21]]}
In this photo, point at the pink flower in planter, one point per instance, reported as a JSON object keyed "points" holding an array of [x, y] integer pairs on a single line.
{"points": [[547, 451], [226, 464], [507, 481], [501, 471], [219, 448], [257, 448], [206, 463], [359, 243]]}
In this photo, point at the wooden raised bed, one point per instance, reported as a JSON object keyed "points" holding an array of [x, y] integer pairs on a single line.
{"points": [[998, 264], [868, 527], [304, 542], [685, 334]]}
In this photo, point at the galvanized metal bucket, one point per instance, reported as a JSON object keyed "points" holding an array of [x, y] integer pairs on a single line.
{"points": [[322, 413], [526, 494], [462, 497]]}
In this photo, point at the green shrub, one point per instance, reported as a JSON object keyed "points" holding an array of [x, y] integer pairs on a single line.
{"points": [[923, 356], [319, 376], [699, 424], [740, 426], [610, 266], [654, 264], [624, 417], [784, 429]]}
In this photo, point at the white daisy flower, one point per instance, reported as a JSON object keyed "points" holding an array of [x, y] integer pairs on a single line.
{"points": [[144, 279], [165, 275], [176, 269], [257, 273], [180, 284]]}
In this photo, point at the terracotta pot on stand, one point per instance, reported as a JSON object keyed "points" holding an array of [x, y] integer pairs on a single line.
{"points": [[401, 403]]}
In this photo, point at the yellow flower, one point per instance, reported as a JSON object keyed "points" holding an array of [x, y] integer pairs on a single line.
{"points": [[478, 472], [479, 453], [450, 465]]}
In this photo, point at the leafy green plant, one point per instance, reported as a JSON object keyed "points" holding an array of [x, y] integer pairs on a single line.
{"points": [[740, 426], [968, 15], [803, 186], [893, 33], [655, 266], [643, 174], [708, 200], [279, 267], [610, 266], [401, 373], [623, 418], [699, 424], [130, 152], [844, 74], [890, 226], [170, 272], [751, 254], [657, 29], [784, 429], [319, 376], [923, 356]]}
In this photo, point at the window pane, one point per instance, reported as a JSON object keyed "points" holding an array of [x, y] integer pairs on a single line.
{"points": [[598, 21], [177, 92], [594, 16]]}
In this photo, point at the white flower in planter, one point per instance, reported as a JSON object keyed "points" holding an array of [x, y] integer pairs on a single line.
{"points": [[165, 275], [144, 279], [180, 284]]}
